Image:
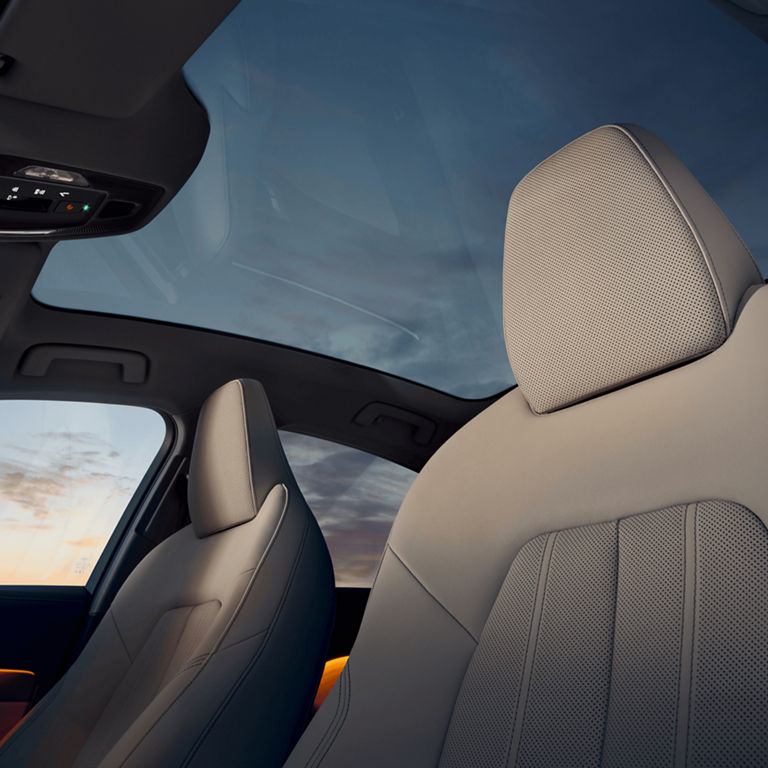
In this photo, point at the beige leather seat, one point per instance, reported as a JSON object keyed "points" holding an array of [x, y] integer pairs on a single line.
{"points": [[579, 576], [211, 651]]}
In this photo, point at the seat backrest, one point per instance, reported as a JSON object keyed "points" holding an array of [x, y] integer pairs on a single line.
{"points": [[578, 576], [213, 647]]}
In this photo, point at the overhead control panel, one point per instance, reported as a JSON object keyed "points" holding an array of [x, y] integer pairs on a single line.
{"points": [[38, 201]]}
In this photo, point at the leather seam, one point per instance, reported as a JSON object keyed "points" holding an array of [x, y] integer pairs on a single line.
{"points": [[163, 682], [531, 648], [613, 646], [421, 584], [687, 636], [256, 571], [320, 752], [347, 702], [246, 438], [331, 725], [688, 219], [267, 632], [223, 633], [120, 635], [694, 591]]}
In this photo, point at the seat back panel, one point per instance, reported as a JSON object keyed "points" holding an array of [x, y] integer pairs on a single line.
{"points": [[624, 643]]}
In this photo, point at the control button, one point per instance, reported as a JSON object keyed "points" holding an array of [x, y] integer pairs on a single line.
{"points": [[13, 190], [72, 206]]}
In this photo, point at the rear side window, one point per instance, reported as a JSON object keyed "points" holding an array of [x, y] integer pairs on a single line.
{"points": [[67, 473], [355, 497]]}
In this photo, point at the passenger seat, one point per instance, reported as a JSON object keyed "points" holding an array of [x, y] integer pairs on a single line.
{"points": [[211, 652], [579, 576]]}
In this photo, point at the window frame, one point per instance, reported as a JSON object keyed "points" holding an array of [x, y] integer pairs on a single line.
{"points": [[135, 505]]}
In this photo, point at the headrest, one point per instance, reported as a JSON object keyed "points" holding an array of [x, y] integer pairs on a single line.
{"points": [[617, 265], [236, 459]]}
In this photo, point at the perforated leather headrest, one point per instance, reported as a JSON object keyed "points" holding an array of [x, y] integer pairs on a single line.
{"points": [[237, 458], [617, 265]]}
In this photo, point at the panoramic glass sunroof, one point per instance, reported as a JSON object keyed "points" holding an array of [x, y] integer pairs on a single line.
{"points": [[352, 196]]}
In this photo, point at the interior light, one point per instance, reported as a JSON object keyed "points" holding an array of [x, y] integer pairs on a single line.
{"points": [[53, 174]]}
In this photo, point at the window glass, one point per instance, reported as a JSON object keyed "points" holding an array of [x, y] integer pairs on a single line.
{"points": [[67, 473], [355, 497], [352, 196]]}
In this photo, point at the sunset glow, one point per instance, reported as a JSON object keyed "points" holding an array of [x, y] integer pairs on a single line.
{"points": [[67, 472]]}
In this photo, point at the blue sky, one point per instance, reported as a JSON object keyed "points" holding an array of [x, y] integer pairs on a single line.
{"points": [[352, 196]]}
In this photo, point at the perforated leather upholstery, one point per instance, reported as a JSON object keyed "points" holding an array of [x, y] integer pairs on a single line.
{"points": [[617, 265], [212, 649], [585, 586]]}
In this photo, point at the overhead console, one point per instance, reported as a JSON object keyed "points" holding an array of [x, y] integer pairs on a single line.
{"points": [[40, 201], [99, 128]]}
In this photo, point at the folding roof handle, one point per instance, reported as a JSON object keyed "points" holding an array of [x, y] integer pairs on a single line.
{"points": [[37, 360], [423, 428]]}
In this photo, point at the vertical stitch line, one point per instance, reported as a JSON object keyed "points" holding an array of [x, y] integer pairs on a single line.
{"points": [[694, 595], [530, 651], [613, 645], [686, 639]]}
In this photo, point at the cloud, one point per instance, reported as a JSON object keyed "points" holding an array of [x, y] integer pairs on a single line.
{"points": [[17, 526], [88, 541], [354, 496], [56, 465]]}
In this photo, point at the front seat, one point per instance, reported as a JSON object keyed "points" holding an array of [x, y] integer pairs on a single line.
{"points": [[578, 577], [211, 651]]}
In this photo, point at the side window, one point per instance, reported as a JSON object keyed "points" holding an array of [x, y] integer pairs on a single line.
{"points": [[355, 497], [67, 473]]}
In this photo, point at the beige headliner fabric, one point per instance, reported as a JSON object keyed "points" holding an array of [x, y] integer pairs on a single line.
{"points": [[617, 265]]}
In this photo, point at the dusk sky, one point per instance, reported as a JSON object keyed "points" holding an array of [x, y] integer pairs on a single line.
{"points": [[353, 193], [355, 497], [67, 473]]}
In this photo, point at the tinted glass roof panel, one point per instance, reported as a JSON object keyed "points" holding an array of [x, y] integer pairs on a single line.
{"points": [[352, 196]]}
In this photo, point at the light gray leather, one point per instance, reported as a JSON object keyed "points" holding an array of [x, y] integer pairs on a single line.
{"points": [[236, 460], [617, 265], [212, 649], [695, 433]]}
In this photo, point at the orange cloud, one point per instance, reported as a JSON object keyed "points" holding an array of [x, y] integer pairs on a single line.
{"points": [[87, 541]]}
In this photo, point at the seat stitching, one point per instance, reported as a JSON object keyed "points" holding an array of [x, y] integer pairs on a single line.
{"points": [[689, 723], [345, 692], [247, 590], [421, 584], [119, 634], [267, 632], [247, 448], [530, 648], [613, 646], [347, 702], [339, 716], [688, 219]]}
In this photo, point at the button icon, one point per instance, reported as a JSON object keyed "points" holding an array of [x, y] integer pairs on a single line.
{"points": [[64, 194], [12, 197], [39, 191], [14, 189], [74, 206]]}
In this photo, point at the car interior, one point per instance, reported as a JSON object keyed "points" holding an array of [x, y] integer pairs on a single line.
{"points": [[381, 384]]}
